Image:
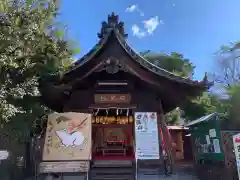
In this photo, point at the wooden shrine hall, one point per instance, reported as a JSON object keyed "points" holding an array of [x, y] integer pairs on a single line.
{"points": [[112, 82]]}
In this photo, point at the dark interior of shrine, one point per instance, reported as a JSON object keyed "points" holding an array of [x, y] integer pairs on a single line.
{"points": [[113, 134]]}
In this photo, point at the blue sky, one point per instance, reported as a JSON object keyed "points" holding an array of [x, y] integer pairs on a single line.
{"points": [[195, 28]]}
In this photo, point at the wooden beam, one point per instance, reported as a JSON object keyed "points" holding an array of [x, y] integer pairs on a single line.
{"points": [[113, 106]]}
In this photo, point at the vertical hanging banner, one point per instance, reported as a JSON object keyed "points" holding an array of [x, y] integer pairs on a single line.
{"points": [[146, 135], [236, 145], [67, 142]]}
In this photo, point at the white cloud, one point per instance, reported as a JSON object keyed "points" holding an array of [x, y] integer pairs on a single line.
{"points": [[133, 8], [151, 24], [140, 12], [137, 31]]}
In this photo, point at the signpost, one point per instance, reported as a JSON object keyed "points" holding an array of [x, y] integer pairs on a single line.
{"points": [[146, 143], [146, 133], [236, 144], [3, 154]]}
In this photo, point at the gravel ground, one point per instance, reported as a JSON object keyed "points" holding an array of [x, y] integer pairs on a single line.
{"points": [[182, 172], [181, 176]]}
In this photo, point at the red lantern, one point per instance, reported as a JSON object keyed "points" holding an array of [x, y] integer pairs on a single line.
{"points": [[70, 130]]}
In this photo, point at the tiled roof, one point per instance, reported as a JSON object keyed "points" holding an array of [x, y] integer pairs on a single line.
{"points": [[177, 128], [202, 119], [137, 57]]}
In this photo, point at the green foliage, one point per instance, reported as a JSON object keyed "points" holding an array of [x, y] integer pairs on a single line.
{"points": [[228, 76], [32, 45], [174, 117], [175, 63], [227, 79], [206, 104], [233, 104], [193, 109]]}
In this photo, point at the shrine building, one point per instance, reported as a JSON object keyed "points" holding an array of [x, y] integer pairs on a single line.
{"points": [[114, 83]]}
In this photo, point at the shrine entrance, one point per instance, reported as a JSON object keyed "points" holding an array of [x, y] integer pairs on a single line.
{"points": [[113, 82], [113, 135]]}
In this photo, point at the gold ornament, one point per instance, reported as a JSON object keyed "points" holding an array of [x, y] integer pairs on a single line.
{"points": [[97, 119], [93, 119], [130, 119], [101, 119]]}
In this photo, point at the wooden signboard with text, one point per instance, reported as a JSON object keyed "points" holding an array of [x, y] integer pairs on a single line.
{"points": [[68, 143], [112, 98], [68, 137], [74, 166]]}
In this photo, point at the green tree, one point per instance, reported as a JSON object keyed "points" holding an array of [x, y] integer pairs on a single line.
{"points": [[173, 62], [177, 64], [203, 105], [175, 117], [234, 104], [227, 82], [32, 45]]}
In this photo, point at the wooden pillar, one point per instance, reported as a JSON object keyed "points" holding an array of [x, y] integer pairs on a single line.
{"points": [[167, 139], [180, 143], [160, 137]]}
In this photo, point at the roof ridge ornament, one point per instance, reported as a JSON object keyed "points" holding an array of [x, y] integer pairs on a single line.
{"points": [[112, 66], [205, 78], [206, 81], [112, 24]]}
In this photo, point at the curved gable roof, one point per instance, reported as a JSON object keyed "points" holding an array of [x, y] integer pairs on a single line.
{"points": [[55, 93], [136, 57]]}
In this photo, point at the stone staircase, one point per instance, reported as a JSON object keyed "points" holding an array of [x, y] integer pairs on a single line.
{"points": [[150, 174], [112, 170]]}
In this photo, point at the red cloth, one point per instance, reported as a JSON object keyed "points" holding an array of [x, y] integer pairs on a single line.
{"points": [[162, 138]]}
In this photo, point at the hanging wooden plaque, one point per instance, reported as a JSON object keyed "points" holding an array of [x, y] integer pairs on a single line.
{"points": [[55, 167], [68, 137], [112, 98]]}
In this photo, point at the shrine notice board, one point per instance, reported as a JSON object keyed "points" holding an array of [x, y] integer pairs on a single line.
{"points": [[67, 144], [146, 136], [236, 145]]}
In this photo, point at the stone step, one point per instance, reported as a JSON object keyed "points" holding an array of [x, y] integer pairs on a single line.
{"points": [[113, 177], [112, 173], [112, 170], [150, 171], [112, 163]]}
